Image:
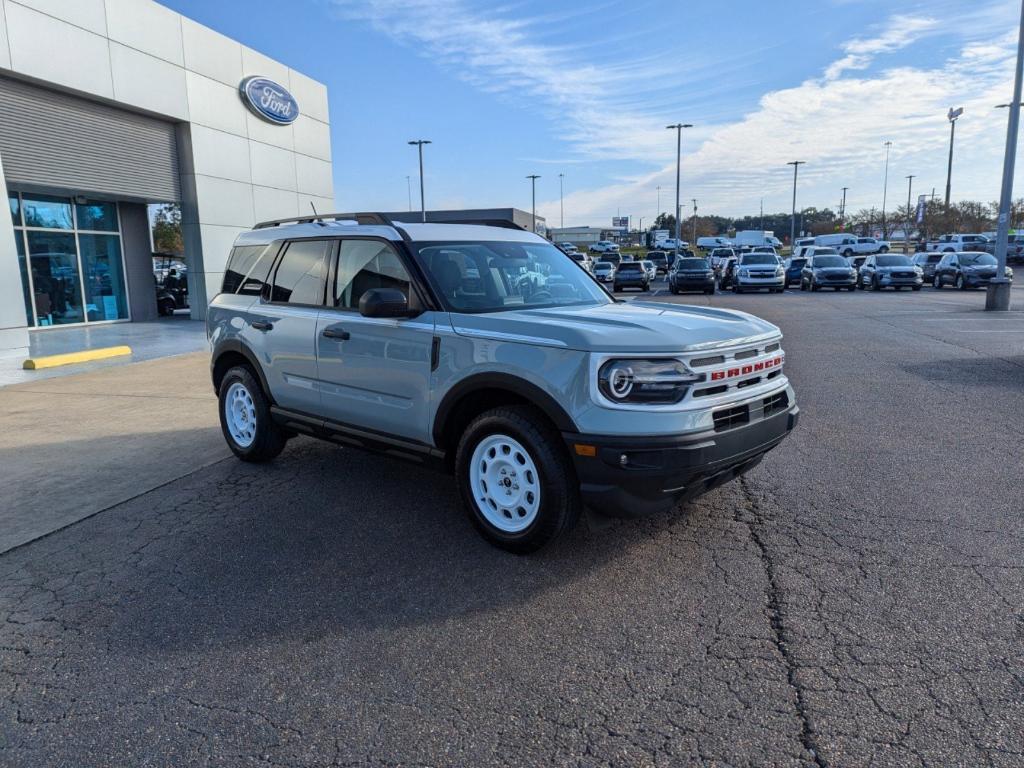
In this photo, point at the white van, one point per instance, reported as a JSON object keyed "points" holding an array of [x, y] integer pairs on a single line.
{"points": [[707, 243]]}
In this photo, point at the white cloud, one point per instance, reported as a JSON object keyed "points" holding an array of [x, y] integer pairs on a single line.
{"points": [[900, 32]]}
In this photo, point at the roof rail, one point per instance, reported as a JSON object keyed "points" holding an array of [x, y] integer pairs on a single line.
{"points": [[503, 223], [360, 218]]}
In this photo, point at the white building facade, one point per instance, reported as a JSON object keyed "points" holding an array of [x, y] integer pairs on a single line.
{"points": [[113, 105]]}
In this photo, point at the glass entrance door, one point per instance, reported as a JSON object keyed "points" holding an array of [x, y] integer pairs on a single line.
{"points": [[72, 264]]}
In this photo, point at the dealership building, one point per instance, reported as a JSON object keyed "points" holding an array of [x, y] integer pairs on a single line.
{"points": [[115, 105]]}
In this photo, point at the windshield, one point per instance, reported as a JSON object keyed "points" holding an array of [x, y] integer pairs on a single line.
{"points": [[830, 261], [656, 256], [603, 265], [977, 259], [759, 258], [692, 264], [797, 263], [630, 266], [893, 261], [494, 276]]}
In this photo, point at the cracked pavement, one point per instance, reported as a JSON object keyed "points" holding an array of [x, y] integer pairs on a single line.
{"points": [[855, 600]]}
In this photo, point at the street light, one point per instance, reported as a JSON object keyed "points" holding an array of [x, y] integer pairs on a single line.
{"points": [[952, 116], [678, 128], [906, 230], [561, 201], [885, 185], [998, 291], [842, 212], [408, 189], [533, 190], [659, 201], [792, 224], [423, 200], [694, 241]]}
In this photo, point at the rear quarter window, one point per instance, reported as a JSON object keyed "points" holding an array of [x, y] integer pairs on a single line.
{"points": [[247, 269]]}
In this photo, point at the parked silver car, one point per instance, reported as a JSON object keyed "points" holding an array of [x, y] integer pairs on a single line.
{"points": [[428, 342]]}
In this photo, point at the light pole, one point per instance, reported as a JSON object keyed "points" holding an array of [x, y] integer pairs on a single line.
{"points": [[842, 212], [762, 214], [792, 224], [678, 128], [998, 291], [906, 229], [952, 116], [423, 200], [659, 201], [693, 242], [408, 189], [561, 201], [885, 185], [533, 194]]}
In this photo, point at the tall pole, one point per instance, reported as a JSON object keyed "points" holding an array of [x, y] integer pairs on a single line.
{"points": [[408, 189], [762, 214], [423, 200], [561, 201], [694, 241], [885, 186], [952, 116], [842, 212], [792, 224], [533, 195], [906, 230], [659, 201], [998, 296], [678, 127]]}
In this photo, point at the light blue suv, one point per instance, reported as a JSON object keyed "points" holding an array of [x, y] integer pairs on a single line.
{"points": [[487, 352]]}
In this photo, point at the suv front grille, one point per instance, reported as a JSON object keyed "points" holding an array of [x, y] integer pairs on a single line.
{"points": [[727, 418]]}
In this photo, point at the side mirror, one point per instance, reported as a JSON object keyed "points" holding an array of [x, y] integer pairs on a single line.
{"points": [[384, 302]]}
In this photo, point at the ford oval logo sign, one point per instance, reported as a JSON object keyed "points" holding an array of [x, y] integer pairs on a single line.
{"points": [[269, 100]]}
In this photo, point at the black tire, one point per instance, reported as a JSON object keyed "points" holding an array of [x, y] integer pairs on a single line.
{"points": [[848, 252], [709, 291], [875, 285], [560, 503], [937, 283], [961, 284], [915, 287], [814, 286], [883, 249], [269, 439], [165, 308], [674, 290], [803, 285]]}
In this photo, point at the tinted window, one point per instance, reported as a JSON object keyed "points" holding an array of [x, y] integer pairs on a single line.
{"points": [[46, 211], [247, 269], [97, 216], [978, 259], [603, 265], [692, 264], [893, 261], [364, 265], [759, 258], [630, 266], [830, 261], [825, 251], [300, 275], [799, 262]]}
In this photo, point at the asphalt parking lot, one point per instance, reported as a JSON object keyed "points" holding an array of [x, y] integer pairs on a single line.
{"points": [[854, 601]]}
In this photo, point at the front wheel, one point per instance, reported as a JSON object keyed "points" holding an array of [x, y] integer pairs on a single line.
{"points": [[960, 284], [875, 285], [245, 420], [883, 249], [517, 483], [936, 282]]}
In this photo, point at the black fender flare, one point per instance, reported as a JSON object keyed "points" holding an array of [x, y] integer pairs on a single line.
{"points": [[500, 381], [236, 346]]}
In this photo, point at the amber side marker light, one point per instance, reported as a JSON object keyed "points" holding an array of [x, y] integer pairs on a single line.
{"points": [[585, 450]]}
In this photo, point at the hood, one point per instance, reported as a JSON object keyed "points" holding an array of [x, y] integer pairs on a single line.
{"points": [[622, 327]]}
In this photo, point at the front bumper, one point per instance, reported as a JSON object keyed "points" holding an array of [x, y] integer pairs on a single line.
{"points": [[660, 472], [693, 283], [979, 281], [761, 282], [890, 281]]}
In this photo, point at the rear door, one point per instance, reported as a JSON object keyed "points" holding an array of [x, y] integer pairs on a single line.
{"points": [[374, 372], [282, 326]]}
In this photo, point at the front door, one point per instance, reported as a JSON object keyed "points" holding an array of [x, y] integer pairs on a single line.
{"points": [[374, 372]]}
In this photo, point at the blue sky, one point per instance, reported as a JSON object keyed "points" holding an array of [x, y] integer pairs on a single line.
{"points": [[586, 88]]}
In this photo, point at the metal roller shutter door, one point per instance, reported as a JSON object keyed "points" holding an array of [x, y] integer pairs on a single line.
{"points": [[53, 139]]}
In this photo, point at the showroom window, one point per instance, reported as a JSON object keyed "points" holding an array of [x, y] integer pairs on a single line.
{"points": [[72, 265]]}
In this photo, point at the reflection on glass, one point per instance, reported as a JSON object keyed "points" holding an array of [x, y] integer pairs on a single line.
{"points": [[97, 216], [23, 266], [57, 285], [46, 211], [103, 276], [12, 200]]}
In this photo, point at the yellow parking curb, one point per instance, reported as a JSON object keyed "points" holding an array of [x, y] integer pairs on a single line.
{"points": [[52, 361]]}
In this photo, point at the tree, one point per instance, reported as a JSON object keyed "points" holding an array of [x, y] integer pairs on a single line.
{"points": [[167, 229], [666, 221]]}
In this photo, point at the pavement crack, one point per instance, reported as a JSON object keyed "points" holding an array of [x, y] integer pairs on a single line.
{"points": [[754, 524]]}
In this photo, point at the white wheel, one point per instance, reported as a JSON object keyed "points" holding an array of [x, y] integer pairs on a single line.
{"points": [[505, 483], [240, 414]]}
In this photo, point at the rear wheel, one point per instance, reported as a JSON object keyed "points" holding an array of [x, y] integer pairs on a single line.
{"points": [[936, 282], [960, 283], [517, 483], [245, 421]]}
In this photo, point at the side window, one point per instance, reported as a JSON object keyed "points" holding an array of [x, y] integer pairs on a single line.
{"points": [[247, 269], [301, 273], [364, 265]]}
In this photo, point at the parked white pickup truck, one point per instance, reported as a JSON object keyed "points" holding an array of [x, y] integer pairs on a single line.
{"points": [[956, 243]]}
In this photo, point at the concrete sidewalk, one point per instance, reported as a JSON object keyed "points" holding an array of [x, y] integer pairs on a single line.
{"points": [[75, 445]]}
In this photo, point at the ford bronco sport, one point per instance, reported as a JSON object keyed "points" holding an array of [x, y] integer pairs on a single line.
{"points": [[487, 352]]}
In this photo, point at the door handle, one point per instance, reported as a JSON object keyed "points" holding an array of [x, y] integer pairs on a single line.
{"points": [[337, 333], [262, 325]]}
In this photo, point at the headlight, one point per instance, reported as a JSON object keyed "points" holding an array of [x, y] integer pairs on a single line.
{"points": [[779, 271], [744, 273], [918, 270], [645, 381]]}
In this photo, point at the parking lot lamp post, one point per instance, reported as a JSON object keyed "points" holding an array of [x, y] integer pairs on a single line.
{"points": [[906, 229], [792, 224], [533, 194], [694, 222], [561, 201], [678, 128], [423, 200], [885, 186], [952, 115], [408, 190], [998, 296], [842, 212]]}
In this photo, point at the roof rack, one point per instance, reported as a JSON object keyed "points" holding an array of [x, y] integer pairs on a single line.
{"points": [[360, 218]]}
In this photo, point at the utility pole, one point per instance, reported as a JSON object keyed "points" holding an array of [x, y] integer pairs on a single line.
{"points": [[659, 201], [561, 201], [678, 128], [694, 241], [533, 196], [423, 200], [842, 212], [998, 292], [952, 116], [762, 214], [408, 190], [885, 186], [906, 231], [792, 224]]}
